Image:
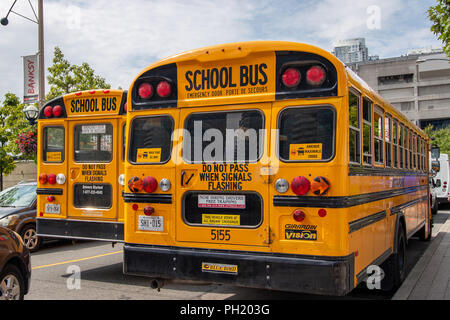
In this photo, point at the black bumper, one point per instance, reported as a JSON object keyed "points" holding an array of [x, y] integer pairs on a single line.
{"points": [[80, 229], [442, 200], [297, 273]]}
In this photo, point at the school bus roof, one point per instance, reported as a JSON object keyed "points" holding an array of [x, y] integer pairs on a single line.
{"points": [[241, 49], [86, 103]]}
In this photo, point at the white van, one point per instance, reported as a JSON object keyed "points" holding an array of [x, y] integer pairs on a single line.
{"points": [[442, 179]]}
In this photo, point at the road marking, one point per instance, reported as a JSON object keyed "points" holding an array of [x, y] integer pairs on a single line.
{"points": [[76, 260]]}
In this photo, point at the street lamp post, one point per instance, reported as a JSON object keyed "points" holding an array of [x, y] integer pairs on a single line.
{"points": [[40, 22]]}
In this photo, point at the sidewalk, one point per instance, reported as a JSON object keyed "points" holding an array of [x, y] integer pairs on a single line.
{"points": [[430, 277]]}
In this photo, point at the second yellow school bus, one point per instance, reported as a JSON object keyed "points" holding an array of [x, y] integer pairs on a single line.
{"points": [[272, 165], [81, 166]]}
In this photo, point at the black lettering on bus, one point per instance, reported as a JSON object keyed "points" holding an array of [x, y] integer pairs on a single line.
{"points": [[188, 74], [253, 74], [263, 73], [197, 72], [243, 76], [223, 77], [231, 84], [214, 78], [205, 79]]}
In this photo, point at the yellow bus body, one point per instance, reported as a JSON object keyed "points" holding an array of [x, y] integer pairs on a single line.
{"points": [[353, 225], [84, 143]]}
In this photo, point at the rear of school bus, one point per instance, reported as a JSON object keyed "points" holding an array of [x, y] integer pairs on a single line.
{"points": [[80, 166], [231, 199]]}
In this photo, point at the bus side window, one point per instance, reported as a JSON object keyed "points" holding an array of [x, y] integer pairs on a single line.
{"points": [[388, 140], [367, 131], [354, 128], [378, 140], [53, 142], [400, 145], [395, 144]]}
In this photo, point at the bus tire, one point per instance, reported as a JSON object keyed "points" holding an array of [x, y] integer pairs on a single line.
{"points": [[395, 266]]}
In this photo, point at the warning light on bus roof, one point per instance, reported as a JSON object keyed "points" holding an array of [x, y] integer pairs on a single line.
{"points": [[145, 90], [57, 111], [164, 89], [291, 77], [48, 112], [315, 76]]}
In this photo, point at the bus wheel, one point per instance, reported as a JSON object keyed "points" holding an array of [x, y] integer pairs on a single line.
{"points": [[395, 266]]}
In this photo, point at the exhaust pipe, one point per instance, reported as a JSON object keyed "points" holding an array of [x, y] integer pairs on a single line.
{"points": [[157, 284]]}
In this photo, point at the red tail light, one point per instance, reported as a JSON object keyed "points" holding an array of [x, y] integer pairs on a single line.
{"points": [[43, 178], [299, 215], [48, 112], [150, 184], [145, 90], [135, 206], [148, 211], [300, 185], [51, 178], [164, 89], [135, 184], [315, 76], [50, 198], [322, 213], [57, 111], [291, 77]]}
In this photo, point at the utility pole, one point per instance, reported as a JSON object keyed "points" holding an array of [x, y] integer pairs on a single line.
{"points": [[40, 22], [41, 53]]}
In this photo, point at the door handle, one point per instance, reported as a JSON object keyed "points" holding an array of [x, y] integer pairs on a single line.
{"points": [[183, 174]]}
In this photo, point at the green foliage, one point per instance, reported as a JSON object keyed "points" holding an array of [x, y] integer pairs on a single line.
{"points": [[440, 17], [440, 137], [65, 77], [12, 123]]}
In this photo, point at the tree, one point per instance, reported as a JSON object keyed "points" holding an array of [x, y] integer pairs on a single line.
{"points": [[12, 123], [440, 17], [440, 137], [65, 77]]}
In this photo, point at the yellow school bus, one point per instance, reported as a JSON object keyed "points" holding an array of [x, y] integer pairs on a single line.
{"points": [[271, 165], [81, 166]]}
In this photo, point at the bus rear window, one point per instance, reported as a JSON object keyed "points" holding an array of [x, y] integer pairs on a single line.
{"points": [[234, 136], [93, 142], [150, 140], [53, 142], [306, 134]]}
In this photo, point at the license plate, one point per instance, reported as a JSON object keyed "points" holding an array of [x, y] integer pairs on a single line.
{"points": [[150, 223], [221, 201], [52, 208], [219, 268]]}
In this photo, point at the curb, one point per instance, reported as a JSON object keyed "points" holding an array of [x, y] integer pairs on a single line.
{"points": [[417, 273]]}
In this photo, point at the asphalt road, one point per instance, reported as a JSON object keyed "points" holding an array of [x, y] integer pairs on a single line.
{"points": [[93, 270]]}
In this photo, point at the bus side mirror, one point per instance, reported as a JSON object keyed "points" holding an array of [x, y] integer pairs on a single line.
{"points": [[435, 166], [435, 152]]}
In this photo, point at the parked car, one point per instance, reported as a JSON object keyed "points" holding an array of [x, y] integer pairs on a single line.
{"points": [[15, 266], [18, 212]]}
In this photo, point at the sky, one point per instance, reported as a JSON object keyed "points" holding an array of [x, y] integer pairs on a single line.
{"points": [[120, 38]]}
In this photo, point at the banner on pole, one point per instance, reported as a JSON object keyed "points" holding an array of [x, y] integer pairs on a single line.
{"points": [[30, 79]]}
